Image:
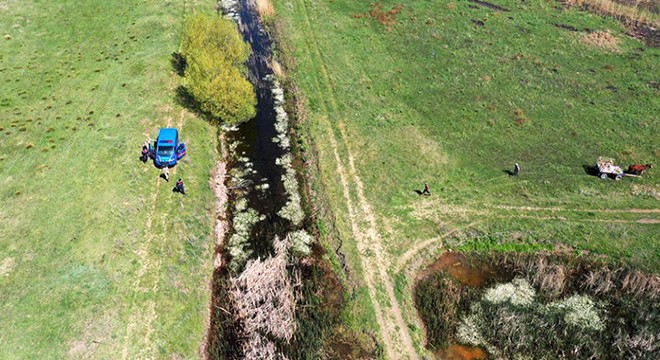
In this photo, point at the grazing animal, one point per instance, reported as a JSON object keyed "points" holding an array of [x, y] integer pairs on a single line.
{"points": [[638, 169]]}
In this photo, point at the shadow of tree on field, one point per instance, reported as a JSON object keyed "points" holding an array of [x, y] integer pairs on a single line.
{"points": [[184, 98], [179, 63]]}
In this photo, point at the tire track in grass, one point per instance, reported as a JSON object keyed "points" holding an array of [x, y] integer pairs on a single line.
{"points": [[421, 246], [382, 258], [143, 320], [396, 338], [362, 248]]}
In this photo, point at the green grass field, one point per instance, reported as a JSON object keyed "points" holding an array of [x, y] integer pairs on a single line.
{"points": [[99, 259], [454, 94]]}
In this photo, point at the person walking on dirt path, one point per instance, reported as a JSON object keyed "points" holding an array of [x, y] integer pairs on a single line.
{"points": [[426, 191], [516, 169], [179, 187], [145, 154], [166, 174]]}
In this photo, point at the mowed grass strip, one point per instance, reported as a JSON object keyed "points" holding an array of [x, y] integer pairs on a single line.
{"points": [[92, 249]]}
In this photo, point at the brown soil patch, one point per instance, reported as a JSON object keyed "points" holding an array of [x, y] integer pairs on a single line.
{"points": [[602, 39], [385, 18]]}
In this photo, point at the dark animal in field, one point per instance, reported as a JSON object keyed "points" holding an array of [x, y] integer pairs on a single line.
{"points": [[638, 169]]}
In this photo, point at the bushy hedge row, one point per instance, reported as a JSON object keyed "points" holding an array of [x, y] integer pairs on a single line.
{"points": [[215, 56]]}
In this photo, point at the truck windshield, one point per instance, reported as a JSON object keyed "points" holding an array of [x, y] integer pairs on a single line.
{"points": [[165, 150]]}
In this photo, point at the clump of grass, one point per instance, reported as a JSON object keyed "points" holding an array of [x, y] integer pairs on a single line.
{"points": [[244, 220], [602, 39], [29, 146], [264, 8], [637, 12], [277, 69], [508, 321]]}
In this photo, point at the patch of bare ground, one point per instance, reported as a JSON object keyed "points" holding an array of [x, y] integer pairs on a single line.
{"points": [[602, 39], [641, 17], [7, 266], [217, 184], [96, 332]]}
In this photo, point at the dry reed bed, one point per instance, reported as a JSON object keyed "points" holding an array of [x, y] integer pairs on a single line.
{"points": [[634, 13], [557, 306]]}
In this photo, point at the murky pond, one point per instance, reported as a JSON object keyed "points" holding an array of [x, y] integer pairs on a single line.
{"points": [[459, 267]]}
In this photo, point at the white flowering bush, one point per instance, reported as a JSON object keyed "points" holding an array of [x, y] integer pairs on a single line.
{"points": [[518, 292], [244, 220], [580, 311], [510, 322], [301, 242]]}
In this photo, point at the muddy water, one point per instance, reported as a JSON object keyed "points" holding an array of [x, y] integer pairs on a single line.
{"points": [[459, 268], [473, 274], [461, 352]]}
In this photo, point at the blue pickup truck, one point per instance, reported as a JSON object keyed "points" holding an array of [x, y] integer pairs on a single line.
{"points": [[168, 150]]}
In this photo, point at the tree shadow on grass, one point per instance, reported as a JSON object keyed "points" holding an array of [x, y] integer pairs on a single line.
{"points": [[179, 63], [184, 98]]}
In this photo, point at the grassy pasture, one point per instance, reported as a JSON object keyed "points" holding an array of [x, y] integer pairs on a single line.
{"points": [[454, 94], [99, 259]]}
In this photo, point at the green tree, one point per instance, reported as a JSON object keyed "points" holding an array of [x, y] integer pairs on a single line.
{"points": [[216, 55]]}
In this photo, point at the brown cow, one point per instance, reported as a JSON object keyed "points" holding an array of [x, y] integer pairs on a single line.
{"points": [[638, 169]]}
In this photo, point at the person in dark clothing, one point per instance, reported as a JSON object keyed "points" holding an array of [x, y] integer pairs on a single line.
{"points": [[516, 169], [145, 154], [179, 187], [426, 191]]}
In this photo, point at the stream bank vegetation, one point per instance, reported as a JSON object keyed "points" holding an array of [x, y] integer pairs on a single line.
{"points": [[215, 57], [274, 298], [541, 306]]}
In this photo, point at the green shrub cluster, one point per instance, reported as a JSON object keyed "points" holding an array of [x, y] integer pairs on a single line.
{"points": [[554, 308], [215, 55]]}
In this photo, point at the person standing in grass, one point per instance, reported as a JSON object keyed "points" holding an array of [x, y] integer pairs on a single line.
{"points": [[426, 191], [516, 169], [145, 154], [179, 187], [166, 174]]}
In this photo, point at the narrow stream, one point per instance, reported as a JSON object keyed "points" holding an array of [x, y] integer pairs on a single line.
{"points": [[256, 153], [264, 203]]}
